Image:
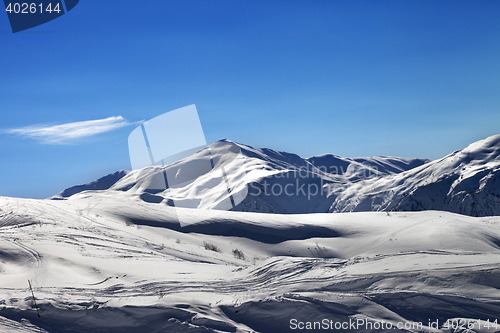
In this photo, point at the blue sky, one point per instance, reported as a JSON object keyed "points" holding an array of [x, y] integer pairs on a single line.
{"points": [[353, 78]]}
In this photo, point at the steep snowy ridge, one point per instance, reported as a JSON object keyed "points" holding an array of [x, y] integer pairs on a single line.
{"points": [[465, 182]]}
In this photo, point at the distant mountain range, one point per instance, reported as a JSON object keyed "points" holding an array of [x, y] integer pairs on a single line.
{"points": [[267, 181]]}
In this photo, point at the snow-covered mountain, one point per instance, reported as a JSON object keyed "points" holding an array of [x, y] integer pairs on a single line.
{"points": [[102, 183], [269, 181], [465, 182]]}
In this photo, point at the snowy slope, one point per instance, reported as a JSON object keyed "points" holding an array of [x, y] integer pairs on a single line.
{"points": [[466, 182], [112, 263]]}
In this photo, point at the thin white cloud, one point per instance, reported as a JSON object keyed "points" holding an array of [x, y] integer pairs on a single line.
{"points": [[70, 132]]}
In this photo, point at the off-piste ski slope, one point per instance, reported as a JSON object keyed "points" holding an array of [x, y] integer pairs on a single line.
{"points": [[111, 256]]}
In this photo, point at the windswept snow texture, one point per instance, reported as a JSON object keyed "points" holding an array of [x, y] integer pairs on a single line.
{"points": [[465, 182], [110, 262]]}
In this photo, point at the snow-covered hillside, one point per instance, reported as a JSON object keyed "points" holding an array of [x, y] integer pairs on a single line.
{"points": [[465, 182], [112, 263]]}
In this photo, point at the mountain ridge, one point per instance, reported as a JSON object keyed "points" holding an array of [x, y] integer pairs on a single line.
{"points": [[464, 182], [262, 165]]}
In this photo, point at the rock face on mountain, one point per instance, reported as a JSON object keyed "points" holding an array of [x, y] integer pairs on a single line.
{"points": [[465, 182]]}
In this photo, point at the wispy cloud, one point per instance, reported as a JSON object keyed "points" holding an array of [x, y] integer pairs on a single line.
{"points": [[70, 132]]}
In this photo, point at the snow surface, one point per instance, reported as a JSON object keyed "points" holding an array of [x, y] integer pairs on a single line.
{"points": [[107, 263]]}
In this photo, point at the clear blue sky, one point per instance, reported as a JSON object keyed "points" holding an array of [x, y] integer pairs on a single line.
{"points": [[353, 78]]}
